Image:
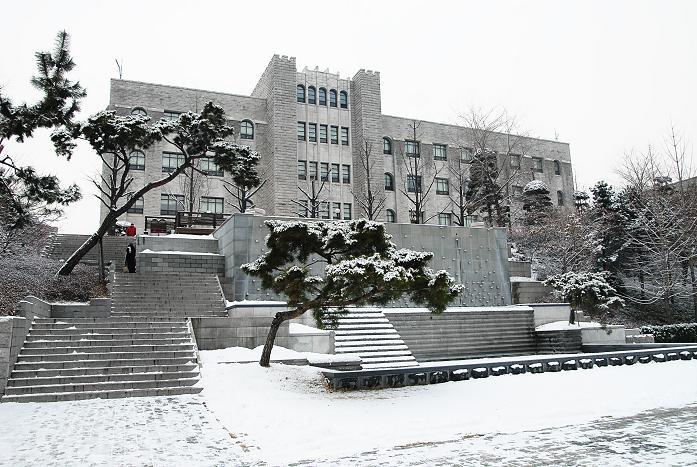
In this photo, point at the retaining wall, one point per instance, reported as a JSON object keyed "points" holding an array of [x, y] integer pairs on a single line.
{"points": [[202, 244], [559, 341], [520, 268], [529, 292], [32, 306], [168, 262], [13, 332]]}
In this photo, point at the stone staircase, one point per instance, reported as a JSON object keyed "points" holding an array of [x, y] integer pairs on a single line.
{"points": [[85, 358], [64, 245], [368, 334], [167, 294]]}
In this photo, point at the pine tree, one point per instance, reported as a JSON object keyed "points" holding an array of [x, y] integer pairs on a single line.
{"points": [[610, 234], [484, 191]]}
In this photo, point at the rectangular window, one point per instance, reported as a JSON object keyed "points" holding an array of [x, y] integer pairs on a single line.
{"points": [[323, 133], [302, 208], [442, 186], [334, 134], [467, 154], [170, 204], [171, 161], [302, 170], [336, 210], [344, 136], [209, 167], [413, 183], [346, 173], [301, 131], [560, 198], [515, 161], [324, 171], [347, 211], [412, 216], [517, 191], [312, 134], [537, 164], [171, 115], [444, 218], [313, 170], [137, 207], [411, 148], [335, 173], [137, 160], [324, 210], [440, 152], [210, 204]]}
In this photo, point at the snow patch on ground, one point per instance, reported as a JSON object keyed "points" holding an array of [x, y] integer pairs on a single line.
{"points": [[297, 328], [563, 325], [189, 236], [522, 279], [245, 355], [147, 250]]}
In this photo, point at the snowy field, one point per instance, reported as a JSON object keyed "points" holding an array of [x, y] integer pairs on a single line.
{"points": [[248, 415]]}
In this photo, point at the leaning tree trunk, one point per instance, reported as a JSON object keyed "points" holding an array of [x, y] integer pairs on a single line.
{"points": [[90, 243], [280, 317]]}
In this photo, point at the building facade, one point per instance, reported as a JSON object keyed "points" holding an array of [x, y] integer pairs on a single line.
{"points": [[313, 130]]}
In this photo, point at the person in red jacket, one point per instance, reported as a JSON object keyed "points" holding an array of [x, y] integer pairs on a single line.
{"points": [[131, 230]]}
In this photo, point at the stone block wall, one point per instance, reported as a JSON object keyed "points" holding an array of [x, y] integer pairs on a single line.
{"points": [[529, 292], [13, 331], [560, 341], [520, 268], [168, 262], [31, 307], [203, 244]]}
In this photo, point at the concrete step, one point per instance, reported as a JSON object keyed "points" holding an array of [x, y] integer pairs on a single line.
{"points": [[35, 342], [406, 358], [103, 371], [103, 386], [86, 331], [363, 332], [379, 353], [110, 394], [347, 344], [369, 348], [115, 362], [103, 349], [377, 366], [94, 379], [48, 336], [109, 320], [99, 356], [121, 324]]}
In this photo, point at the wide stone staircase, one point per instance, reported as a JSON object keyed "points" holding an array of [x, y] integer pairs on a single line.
{"points": [[85, 358], [64, 245], [368, 334], [167, 294]]}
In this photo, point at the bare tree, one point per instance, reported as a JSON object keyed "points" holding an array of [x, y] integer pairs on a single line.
{"points": [[314, 198], [189, 188], [370, 201]]}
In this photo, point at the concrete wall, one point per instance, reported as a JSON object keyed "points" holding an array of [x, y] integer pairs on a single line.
{"points": [[167, 262], [31, 307], [606, 335], [476, 257], [203, 244], [550, 312], [520, 268], [559, 341], [13, 331], [529, 292]]}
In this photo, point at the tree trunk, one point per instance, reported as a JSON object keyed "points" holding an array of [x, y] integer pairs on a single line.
{"points": [[280, 317], [694, 289]]}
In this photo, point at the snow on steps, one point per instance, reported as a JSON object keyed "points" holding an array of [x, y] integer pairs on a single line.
{"points": [[369, 335], [86, 358]]}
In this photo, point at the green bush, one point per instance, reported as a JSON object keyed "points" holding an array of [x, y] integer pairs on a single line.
{"points": [[672, 333]]}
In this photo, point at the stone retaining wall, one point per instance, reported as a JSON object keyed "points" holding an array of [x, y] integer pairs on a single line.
{"points": [[559, 341], [163, 262], [203, 244], [32, 306], [13, 331]]}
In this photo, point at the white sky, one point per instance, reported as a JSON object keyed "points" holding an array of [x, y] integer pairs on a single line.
{"points": [[605, 76]]}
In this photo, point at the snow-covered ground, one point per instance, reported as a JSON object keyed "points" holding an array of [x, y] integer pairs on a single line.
{"points": [[250, 415]]}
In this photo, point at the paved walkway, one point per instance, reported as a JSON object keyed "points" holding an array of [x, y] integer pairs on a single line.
{"points": [[657, 437]]}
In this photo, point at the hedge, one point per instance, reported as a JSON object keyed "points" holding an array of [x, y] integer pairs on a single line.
{"points": [[671, 333]]}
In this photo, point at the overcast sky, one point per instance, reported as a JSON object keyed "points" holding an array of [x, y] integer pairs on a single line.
{"points": [[607, 77]]}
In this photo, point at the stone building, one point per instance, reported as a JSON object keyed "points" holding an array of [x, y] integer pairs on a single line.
{"points": [[311, 129]]}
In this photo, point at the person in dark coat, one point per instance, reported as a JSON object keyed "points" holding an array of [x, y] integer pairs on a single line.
{"points": [[131, 257], [131, 230]]}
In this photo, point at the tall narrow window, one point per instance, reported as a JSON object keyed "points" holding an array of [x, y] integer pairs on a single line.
{"points": [[302, 170], [137, 160], [335, 173], [311, 95], [322, 96], [301, 131], [324, 171], [332, 98], [386, 145], [467, 154], [442, 186], [246, 129], [347, 211], [137, 207], [336, 210], [170, 204], [312, 132], [411, 148], [343, 100], [300, 93], [334, 134], [414, 183], [344, 136], [557, 168], [389, 182], [302, 208], [346, 174], [390, 215], [440, 152], [313, 170], [444, 218], [515, 161], [324, 210], [560, 198], [537, 164], [322, 133]]}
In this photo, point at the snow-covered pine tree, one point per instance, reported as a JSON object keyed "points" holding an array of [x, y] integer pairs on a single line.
{"points": [[536, 202], [610, 232], [484, 191], [246, 181], [319, 265]]}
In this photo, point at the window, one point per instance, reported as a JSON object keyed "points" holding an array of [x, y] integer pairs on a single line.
{"points": [[347, 211], [246, 129], [347, 173], [557, 168], [139, 112], [300, 93], [414, 183], [301, 131], [517, 191], [209, 167], [312, 132], [466, 154], [324, 210], [170, 204], [334, 134], [560, 198], [389, 182], [313, 170], [137, 160], [412, 217], [515, 161], [537, 164], [336, 210], [343, 100], [344, 136], [386, 145], [302, 208], [440, 152], [171, 115], [445, 218], [390, 215], [323, 133], [442, 186], [137, 207], [210, 204], [311, 95], [322, 96], [411, 148], [332, 98], [302, 170], [324, 171], [171, 161]]}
